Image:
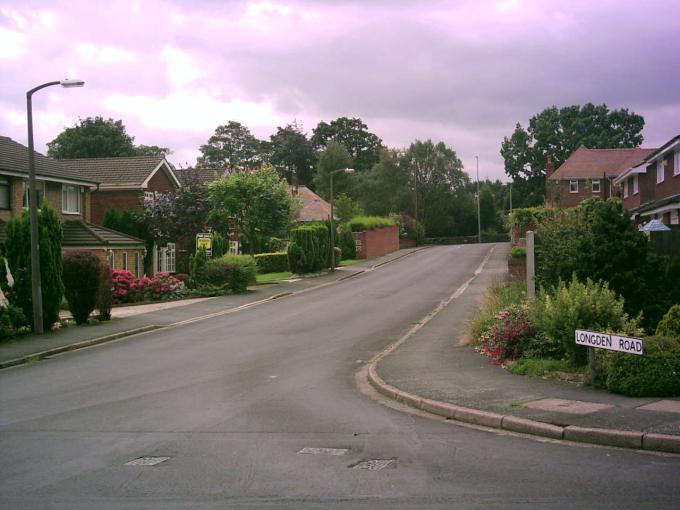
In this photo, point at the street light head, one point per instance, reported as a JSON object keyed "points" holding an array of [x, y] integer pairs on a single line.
{"points": [[67, 84], [348, 170]]}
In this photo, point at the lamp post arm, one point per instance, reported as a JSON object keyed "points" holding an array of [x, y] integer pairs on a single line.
{"points": [[39, 87]]}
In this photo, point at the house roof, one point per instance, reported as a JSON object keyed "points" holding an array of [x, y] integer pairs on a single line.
{"points": [[130, 171], [14, 160], [78, 233], [314, 208], [587, 163], [204, 175], [641, 168], [654, 205]]}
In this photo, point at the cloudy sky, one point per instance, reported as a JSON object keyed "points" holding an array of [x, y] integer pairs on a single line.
{"points": [[463, 72]]}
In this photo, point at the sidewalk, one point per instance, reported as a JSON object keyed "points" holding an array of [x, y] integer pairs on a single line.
{"points": [[131, 320], [430, 369]]}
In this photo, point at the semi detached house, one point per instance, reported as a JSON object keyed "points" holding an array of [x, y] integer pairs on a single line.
{"points": [[70, 193]]}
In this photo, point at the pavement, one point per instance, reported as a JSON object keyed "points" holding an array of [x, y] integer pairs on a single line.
{"points": [[429, 369], [133, 320]]}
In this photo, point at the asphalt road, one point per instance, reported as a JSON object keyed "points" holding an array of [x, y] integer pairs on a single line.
{"points": [[232, 400]]}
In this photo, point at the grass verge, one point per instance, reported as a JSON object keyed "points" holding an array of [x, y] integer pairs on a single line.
{"points": [[547, 369], [349, 262], [273, 277]]}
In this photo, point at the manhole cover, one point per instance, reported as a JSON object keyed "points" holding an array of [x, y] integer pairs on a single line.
{"points": [[147, 461], [373, 464], [323, 451]]}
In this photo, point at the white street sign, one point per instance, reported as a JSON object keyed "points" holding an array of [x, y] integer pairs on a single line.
{"points": [[608, 341]]}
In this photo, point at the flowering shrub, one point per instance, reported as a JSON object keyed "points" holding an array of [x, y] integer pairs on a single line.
{"points": [[503, 339], [128, 290], [123, 286]]}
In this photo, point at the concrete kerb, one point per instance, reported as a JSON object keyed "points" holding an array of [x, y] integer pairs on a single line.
{"points": [[606, 437], [131, 332]]}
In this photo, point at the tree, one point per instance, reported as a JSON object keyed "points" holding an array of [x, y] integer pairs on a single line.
{"points": [[345, 208], [557, 133], [387, 187], [290, 151], [256, 204], [152, 150], [362, 145], [93, 137], [133, 224], [232, 147], [487, 208], [335, 157]]}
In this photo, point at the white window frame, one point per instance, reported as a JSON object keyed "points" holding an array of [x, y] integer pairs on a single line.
{"points": [[40, 190], [148, 196], [65, 205], [167, 258], [5, 185], [573, 189], [125, 261], [676, 166], [636, 184], [111, 257], [596, 182], [625, 188], [660, 171]]}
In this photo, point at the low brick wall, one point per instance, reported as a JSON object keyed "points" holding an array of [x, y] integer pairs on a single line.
{"points": [[517, 268], [374, 243]]}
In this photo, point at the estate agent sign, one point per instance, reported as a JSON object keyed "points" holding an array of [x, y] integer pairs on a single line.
{"points": [[204, 241], [608, 341]]}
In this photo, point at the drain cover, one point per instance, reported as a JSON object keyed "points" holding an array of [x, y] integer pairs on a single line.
{"points": [[323, 451], [373, 464], [147, 461]]}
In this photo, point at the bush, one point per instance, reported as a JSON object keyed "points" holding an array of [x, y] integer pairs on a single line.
{"points": [[123, 285], [81, 272], [12, 318], [182, 277], [312, 248], [338, 256], [579, 305], [655, 374], [162, 286], [272, 262], [244, 272], [362, 223], [215, 273], [501, 295], [670, 323], [276, 245], [518, 252], [409, 229], [295, 256], [503, 339], [105, 293], [196, 264], [346, 243]]}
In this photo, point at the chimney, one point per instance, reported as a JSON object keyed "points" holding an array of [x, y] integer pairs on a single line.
{"points": [[549, 166], [294, 183]]}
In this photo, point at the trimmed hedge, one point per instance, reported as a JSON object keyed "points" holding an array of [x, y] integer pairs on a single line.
{"points": [[81, 272], [272, 262], [655, 374], [362, 223], [244, 272], [346, 243], [309, 249], [487, 237]]}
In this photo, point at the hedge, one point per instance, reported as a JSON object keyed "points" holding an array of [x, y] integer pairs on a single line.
{"points": [[362, 223], [309, 248], [272, 262]]}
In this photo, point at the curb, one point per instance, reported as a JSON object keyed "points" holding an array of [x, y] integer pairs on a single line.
{"points": [[73, 347], [636, 440]]}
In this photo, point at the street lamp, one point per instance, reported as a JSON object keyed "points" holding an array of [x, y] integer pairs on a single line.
{"points": [[479, 218], [347, 171], [33, 204]]}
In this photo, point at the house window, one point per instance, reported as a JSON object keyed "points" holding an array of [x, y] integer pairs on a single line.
{"points": [[167, 258], [636, 184], [39, 190], [625, 188], [125, 262], [4, 193], [148, 196], [676, 166], [659, 171], [70, 199], [573, 186], [596, 185]]}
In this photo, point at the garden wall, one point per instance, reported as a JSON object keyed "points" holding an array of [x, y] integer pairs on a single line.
{"points": [[374, 243]]}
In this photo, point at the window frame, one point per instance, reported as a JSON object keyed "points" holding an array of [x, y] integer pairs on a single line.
{"points": [[599, 187], [571, 187], [676, 161], [636, 184], [625, 188], [65, 188], [660, 171], [6, 183], [125, 261], [40, 193]]}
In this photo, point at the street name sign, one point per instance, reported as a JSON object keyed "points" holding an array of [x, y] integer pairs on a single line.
{"points": [[609, 341]]}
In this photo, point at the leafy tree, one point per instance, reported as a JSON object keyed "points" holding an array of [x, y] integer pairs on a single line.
{"points": [[233, 147], [291, 151], [387, 187], [152, 150], [133, 224], [93, 137], [557, 133], [345, 208], [335, 157], [487, 208], [258, 205], [363, 146]]}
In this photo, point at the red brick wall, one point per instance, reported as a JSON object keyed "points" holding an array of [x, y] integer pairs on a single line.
{"points": [[375, 243], [161, 182], [632, 201], [123, 200], [560, 195], [671, 183]]}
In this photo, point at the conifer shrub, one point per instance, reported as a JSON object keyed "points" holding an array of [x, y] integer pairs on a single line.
{"points": [[346, 243], [670, 323], [105, 293], [295, 256], [313, 242], [196, 264], [81, 274]]}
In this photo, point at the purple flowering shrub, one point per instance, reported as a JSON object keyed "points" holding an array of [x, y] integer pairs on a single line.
{"points": [[504, 338]]}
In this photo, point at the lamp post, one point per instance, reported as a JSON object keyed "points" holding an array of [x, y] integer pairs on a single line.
{"points": [[347, 171], [36, 290], [479, 218]]}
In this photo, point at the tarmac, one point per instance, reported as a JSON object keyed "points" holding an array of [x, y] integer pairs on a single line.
{"points": [[427, 368]]}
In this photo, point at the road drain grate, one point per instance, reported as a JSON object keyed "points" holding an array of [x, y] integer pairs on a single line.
{"points": [[373, 464], [323, 451], [147, 461]]}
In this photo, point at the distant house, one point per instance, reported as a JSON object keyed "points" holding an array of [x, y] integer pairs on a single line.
{"points": [[590, 173], [314, 208], [651, 188], [70, 193], [125, 183]]}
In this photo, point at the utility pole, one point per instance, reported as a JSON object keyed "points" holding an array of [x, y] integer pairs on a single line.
{"points": [[479, 218]]}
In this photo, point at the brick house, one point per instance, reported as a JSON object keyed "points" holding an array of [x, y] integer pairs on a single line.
{"points": [[125, 183], [651, 188], [589, 173], [71, 195]]}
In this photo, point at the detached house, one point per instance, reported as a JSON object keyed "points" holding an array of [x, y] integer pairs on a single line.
{"points": [[70, 193], [124, 184], [651, 188], [590, 173]]}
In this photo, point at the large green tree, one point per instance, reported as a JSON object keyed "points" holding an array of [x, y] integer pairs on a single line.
{"points": [[557, 132], [362, 145], [256, 204], [387, 187], [233, 147], [335, 157], [290, 151], [487, 208]]}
